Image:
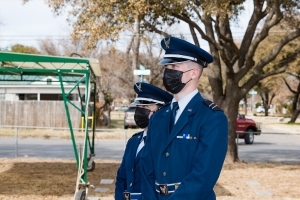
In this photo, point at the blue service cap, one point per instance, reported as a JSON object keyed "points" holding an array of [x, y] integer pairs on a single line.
{"points": [[178, 51], [149, 94]]}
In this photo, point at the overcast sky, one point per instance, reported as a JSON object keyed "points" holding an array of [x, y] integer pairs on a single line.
{"points": [[25, 24]]}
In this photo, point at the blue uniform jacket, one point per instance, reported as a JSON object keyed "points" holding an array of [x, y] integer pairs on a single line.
{"points": [[129, 175], [195, 162]]}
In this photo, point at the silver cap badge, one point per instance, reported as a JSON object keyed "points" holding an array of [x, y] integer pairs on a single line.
{"points": [[167, 42], [139, 87]]}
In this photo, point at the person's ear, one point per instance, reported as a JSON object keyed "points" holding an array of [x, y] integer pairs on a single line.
{"points": [[195, 72]]}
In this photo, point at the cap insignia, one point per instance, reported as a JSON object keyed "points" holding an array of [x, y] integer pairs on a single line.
{"points": [[167, 42], [139, 87]]}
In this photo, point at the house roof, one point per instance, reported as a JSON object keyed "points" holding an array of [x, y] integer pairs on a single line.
{"points": [[17, 64]]}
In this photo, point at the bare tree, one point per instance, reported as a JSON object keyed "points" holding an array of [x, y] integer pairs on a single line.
{"points": [[296, 95], [212, 21], [267, 90]]}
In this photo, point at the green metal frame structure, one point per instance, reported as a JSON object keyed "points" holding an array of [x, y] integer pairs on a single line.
{"points": [[80, 71]]}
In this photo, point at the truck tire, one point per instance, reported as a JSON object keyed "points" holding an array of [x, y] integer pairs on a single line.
{"points": [[249, 136]]}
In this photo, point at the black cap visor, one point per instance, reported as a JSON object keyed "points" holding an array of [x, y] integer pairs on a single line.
{"points": [[145, 102]]}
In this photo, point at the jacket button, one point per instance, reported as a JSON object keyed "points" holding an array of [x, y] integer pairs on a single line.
{"points": [[132, 170], [167, 154], [130, 185], [164, 174]]}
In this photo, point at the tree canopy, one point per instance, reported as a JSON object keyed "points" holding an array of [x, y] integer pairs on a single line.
{"points": [[19, 48], [234, 70]]}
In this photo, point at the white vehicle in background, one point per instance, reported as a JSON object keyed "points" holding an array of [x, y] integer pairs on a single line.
{"points": [[261, 109]]}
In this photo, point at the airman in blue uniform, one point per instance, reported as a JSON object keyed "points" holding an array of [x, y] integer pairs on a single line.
{"points": [[187, 139], [149, 99]]}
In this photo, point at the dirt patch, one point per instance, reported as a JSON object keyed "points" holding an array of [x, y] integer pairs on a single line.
{"points": [[24, 178], [49, 179]]}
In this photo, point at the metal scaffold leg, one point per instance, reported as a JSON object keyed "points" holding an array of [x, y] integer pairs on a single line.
{"points": [[84, 164]]}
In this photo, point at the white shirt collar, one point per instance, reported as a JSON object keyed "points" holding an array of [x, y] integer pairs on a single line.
{"points": [[185, 100], [145, 133]]}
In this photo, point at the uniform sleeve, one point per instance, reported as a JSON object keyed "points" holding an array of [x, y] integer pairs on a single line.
{"points": [[147, 170], [121, 179], [207, 162]]}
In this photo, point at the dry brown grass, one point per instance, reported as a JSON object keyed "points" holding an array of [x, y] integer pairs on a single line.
{"points": [[24, 178], [116, 134]]}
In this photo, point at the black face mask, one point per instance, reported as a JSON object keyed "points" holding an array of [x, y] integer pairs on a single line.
{"points": [[172, 80], [141, 117]]}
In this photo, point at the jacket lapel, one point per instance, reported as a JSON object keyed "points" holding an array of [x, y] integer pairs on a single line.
{"points": [[137, 143], [189, 110], [164, 124]]}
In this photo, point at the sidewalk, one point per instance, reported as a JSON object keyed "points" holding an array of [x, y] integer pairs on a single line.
{"points": [[280, 128], [276, 124]]}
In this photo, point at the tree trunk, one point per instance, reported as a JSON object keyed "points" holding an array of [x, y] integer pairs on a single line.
{"points": [[106, 118], [296, 106], [245, 105], [294, 117], [296, 103], [266, 111], [231, 111], [136, 45]]}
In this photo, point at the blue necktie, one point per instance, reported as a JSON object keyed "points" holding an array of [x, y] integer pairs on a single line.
{"points": [[173, 115]]}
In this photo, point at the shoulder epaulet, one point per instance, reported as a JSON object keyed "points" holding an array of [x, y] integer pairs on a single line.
{"points": [[212, 105], [137, 134]]}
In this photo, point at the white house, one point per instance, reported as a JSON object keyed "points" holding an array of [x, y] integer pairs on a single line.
{"points": [[47, 88]]}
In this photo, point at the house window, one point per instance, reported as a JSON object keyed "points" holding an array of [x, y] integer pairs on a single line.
{"points": [[31, 97], [2, 96], [70, 97], [27, 97]]}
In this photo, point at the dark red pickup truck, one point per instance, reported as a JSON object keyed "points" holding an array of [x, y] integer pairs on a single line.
{"points": [[247, 128]]}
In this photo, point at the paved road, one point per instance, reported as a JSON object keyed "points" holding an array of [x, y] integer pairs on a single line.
{"points": [[266, 148], [283, 148], [61, 149]]}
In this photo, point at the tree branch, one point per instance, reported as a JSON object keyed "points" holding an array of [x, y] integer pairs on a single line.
{"points": [[257, 15], [273, 18], [153, 28], [294, 75], [195, 38], [231, 55], [75, 54], [215, 78], [289, 87], [129, 45], [201, 32], [285, 40], [281, 67], [271, 56]]}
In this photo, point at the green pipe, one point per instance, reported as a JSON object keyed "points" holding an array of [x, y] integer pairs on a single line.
{"points": [[69, 119]]}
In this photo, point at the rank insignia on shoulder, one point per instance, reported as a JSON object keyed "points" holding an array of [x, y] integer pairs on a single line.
{"points": [[212, 105], [138, 133]]}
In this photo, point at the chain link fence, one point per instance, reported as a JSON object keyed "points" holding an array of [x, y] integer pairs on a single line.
{"points": [[49, 142], [56, 143]]}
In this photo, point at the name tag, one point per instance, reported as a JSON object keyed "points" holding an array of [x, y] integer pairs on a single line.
{"points": [[185, 136]]}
